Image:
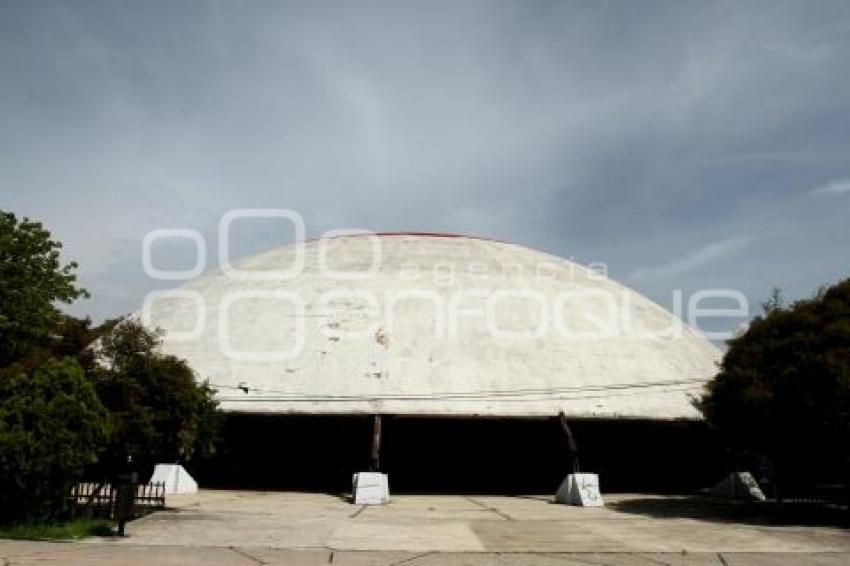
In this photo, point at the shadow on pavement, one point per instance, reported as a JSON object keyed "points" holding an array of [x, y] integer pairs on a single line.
{"points": [[730, 511]]}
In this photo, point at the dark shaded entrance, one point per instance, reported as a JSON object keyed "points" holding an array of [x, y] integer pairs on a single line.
{"points": [[460, 455]]}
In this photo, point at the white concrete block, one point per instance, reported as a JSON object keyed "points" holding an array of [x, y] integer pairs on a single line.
{"points": [[580, 489], [739, 485], [370, 488], [176, 479]]}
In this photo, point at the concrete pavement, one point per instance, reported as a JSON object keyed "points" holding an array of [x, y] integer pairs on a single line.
{"points": [[229, 527], [18, 553]]}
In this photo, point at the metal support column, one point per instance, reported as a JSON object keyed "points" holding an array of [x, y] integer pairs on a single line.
{"points": [[571, 442], [376, 444]]}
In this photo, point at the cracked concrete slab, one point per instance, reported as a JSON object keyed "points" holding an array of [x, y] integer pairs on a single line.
{"points": [[249, 528]]}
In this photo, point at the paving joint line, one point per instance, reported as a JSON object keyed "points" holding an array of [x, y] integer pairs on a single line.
{"points": [[411, 559], [650, 559], [241, 552], [572, 557], [488, 508]]}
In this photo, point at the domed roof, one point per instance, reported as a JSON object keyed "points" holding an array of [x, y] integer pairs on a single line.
{"points": [[429, 324]]}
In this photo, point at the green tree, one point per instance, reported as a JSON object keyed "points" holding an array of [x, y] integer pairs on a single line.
{"points": [[776, 301], [52, 425], [159, 412], [32, 281], [784, 387]]}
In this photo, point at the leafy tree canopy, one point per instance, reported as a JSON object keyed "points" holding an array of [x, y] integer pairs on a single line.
{"points": [[159, 412], [52, 426], [784, 385], [32, 281], [64, 405]]}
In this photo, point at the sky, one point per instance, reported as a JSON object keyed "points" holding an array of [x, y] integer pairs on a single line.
{"points": [[686, 145]]}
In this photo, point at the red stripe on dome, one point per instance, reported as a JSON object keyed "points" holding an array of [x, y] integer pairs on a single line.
{"points": [[429, 234], [414, 234]]}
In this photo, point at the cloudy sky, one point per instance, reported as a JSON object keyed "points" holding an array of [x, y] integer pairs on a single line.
{"points": [[685, 144]]}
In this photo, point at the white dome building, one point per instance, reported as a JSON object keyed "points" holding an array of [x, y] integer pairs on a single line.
{"points": [[431, 325]]}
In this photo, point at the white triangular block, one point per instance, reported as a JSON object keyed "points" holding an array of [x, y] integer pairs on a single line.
{"points": [[580, 489], [176, 479], [740, 485], [370, 488]]}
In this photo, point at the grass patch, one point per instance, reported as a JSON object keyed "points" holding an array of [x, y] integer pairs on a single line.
{"points": [[76, 529]]}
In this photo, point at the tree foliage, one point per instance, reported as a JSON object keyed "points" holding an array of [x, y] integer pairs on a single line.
{"points": [[52, 425], [159, 412], [64, 405], [784, 386], [32, 281]]}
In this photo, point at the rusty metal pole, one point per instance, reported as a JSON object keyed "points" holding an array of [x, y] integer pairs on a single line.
{"points": [[376, 444], [571, 442]]}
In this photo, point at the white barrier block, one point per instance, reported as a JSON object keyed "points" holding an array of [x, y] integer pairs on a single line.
{"points": [[175, 477], [370, 488], [740, 485], [580, 489]]}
